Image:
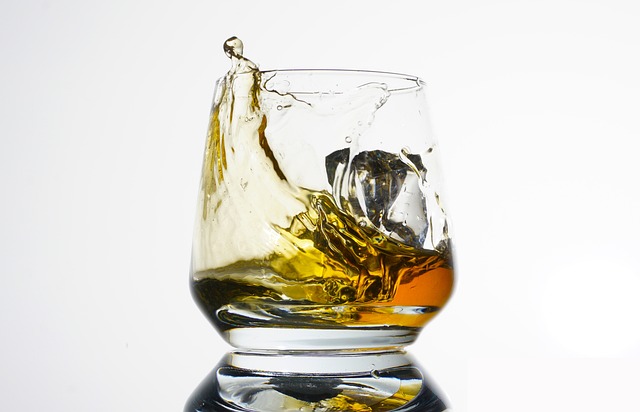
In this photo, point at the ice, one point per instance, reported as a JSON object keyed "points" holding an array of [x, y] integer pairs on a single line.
{"points": [[382, 189]]}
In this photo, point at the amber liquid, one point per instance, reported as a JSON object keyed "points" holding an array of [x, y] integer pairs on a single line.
{"points": [[341, 274]]}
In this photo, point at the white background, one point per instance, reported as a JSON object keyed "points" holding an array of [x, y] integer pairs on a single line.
{"points": [[104, 107]]}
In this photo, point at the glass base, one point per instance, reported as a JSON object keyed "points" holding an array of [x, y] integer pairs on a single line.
{"points": [[316, 382], [311, 339]]}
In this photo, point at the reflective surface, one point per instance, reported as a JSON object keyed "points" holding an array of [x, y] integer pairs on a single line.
{"points": [[360, 382]]}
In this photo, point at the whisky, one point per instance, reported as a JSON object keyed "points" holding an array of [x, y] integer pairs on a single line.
{"points": [[363, 246], [342, 274]]}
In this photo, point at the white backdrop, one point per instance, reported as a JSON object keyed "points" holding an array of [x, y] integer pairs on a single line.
{"points": [[104, 107]]}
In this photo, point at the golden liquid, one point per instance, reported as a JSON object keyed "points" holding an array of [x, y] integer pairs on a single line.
{"points": [[342, 274], [324, 268]]}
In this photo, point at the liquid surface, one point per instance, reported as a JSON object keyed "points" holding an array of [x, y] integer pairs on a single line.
{"points": [[268, 251]]}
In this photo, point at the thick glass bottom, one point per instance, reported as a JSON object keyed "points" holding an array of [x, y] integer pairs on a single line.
{"points": [[320, 339], [316, 382]]}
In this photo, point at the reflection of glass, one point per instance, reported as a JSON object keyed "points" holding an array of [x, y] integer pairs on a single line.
{"points": [[320, 226], [314, 382]]}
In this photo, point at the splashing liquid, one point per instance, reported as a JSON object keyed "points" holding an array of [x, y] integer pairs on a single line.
{"points": [[269, 252]]}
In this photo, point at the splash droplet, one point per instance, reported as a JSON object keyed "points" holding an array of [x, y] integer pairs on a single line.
{"points": [[233, 47], [234, 50]]}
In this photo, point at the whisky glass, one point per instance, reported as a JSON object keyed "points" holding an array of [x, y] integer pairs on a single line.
{"points": [[321, 245]]}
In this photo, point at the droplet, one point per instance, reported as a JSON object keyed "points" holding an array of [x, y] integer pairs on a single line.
{"points": [[348, 139], [362, 223], [233, 47], [375, 374]]}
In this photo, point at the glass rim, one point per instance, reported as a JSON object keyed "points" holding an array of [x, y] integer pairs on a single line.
{"points": [[413, 82]]}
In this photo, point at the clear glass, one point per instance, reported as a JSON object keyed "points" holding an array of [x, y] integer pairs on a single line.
{"points": [[320, 228], [360, 382]]}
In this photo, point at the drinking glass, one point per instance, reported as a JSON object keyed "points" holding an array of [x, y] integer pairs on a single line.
{"points": [[321, 245]]}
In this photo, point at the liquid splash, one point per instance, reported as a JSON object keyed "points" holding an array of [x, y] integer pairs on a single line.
{"points": [[269, 243]]}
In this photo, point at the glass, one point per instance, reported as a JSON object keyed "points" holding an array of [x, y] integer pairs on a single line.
{"points": [[306, 382], [321, 244]]}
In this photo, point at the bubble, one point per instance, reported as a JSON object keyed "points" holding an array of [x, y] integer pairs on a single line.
{"points": [[348, 139], [362, 223], [375, 373], [279, 107], [347, 294]]}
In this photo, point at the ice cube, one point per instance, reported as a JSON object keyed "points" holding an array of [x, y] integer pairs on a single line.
{"points": [[384, 189]]}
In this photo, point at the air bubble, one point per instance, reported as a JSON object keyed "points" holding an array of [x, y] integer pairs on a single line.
{"points": [[362, 223], [279, 107], [348, 139]]}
